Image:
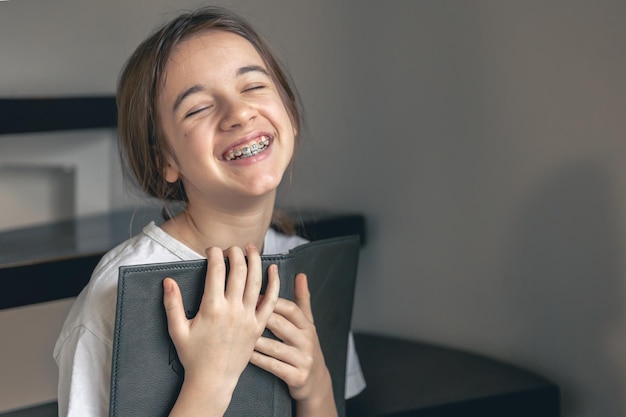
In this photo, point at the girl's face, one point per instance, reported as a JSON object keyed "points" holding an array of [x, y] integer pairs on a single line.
{"points": [[223, 118]]}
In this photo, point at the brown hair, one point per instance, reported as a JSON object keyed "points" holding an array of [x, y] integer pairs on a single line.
{"points": [[142, 145]]}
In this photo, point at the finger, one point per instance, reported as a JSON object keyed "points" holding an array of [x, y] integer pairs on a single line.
{"points": [[215, 280], [278, 350], [177, 322], [269, 300], [254, 276], [283, 328], [292, 313], [237, 274], [278, 368], [302, 295]]}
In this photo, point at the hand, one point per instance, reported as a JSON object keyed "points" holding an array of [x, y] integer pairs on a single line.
{"points": [[297, 357], [215, 346]]}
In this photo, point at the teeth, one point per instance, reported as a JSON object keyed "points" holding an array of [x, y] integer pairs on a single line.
{"points": [[248, 150]]}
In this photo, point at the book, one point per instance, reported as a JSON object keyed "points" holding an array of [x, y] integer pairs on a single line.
{"points": [[146, 375]]}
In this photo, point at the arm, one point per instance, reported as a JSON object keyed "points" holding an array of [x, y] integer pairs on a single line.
{"points": [[227, 324], [297, 357]]}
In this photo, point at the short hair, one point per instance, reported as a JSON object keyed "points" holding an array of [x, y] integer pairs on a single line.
{"points": [[142, 145]]}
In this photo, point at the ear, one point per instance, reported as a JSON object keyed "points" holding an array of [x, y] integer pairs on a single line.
{"points": [[171, 171]]}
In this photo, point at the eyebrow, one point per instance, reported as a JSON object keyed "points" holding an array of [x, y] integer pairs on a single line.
{"points": [[191, 90], [252, 68], [198, 87]]}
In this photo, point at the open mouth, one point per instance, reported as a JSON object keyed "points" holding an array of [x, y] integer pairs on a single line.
{"points": [[252, 148]]}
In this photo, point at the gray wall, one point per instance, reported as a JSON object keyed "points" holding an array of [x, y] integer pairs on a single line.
{"points": [[484, 140]]}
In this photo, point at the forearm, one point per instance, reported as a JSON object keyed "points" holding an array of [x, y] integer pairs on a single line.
{"points": [[320, 405], [322, 409], [201, 399]]}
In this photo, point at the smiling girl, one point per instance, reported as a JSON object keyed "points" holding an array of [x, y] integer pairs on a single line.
{"points": [[207, 117]]}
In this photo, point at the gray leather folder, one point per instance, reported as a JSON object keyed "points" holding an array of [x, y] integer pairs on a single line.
{"points": [[146, 375]]}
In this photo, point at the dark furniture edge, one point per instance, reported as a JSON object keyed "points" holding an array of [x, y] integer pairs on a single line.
{"points": [[412, 376], [478, 407], [42, 410], [47, 281], [50, 273], [541, 399], [537, 402], [24, 115]]}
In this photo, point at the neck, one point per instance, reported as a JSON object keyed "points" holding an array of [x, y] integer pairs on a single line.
{"points": [[201, 226]]}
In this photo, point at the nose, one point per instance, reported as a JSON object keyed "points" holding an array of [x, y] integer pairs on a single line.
{"points": [[236, 113]]}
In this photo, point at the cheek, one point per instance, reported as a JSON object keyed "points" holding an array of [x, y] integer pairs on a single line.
{"points": [[294, 140]]}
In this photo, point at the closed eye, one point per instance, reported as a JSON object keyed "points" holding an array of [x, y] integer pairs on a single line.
{"points": [[254, 87], [196, 111]]}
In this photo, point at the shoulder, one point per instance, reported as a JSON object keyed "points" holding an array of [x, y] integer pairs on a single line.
{"points": [[276, 242], [94, 308]]}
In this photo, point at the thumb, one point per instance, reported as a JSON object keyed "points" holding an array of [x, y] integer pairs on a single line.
{"points": [[174, 309], [302, 295]]}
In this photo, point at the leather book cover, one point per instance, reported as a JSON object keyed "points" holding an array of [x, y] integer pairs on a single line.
{"points": [[146, 374]]}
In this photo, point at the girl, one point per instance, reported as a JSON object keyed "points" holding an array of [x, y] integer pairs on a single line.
{"points": [[206, 117]]}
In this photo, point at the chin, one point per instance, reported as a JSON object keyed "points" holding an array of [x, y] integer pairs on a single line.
{"points": [[259, 186]]}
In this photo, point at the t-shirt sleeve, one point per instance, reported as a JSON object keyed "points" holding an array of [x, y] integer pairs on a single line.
{"points": [[355, 381], [84, 375]]}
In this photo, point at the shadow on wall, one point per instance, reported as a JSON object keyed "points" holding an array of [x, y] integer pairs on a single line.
{"points": [[566, 290]]}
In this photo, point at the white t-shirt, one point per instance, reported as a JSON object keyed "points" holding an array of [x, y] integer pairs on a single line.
{"points": [[83, 349]]}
